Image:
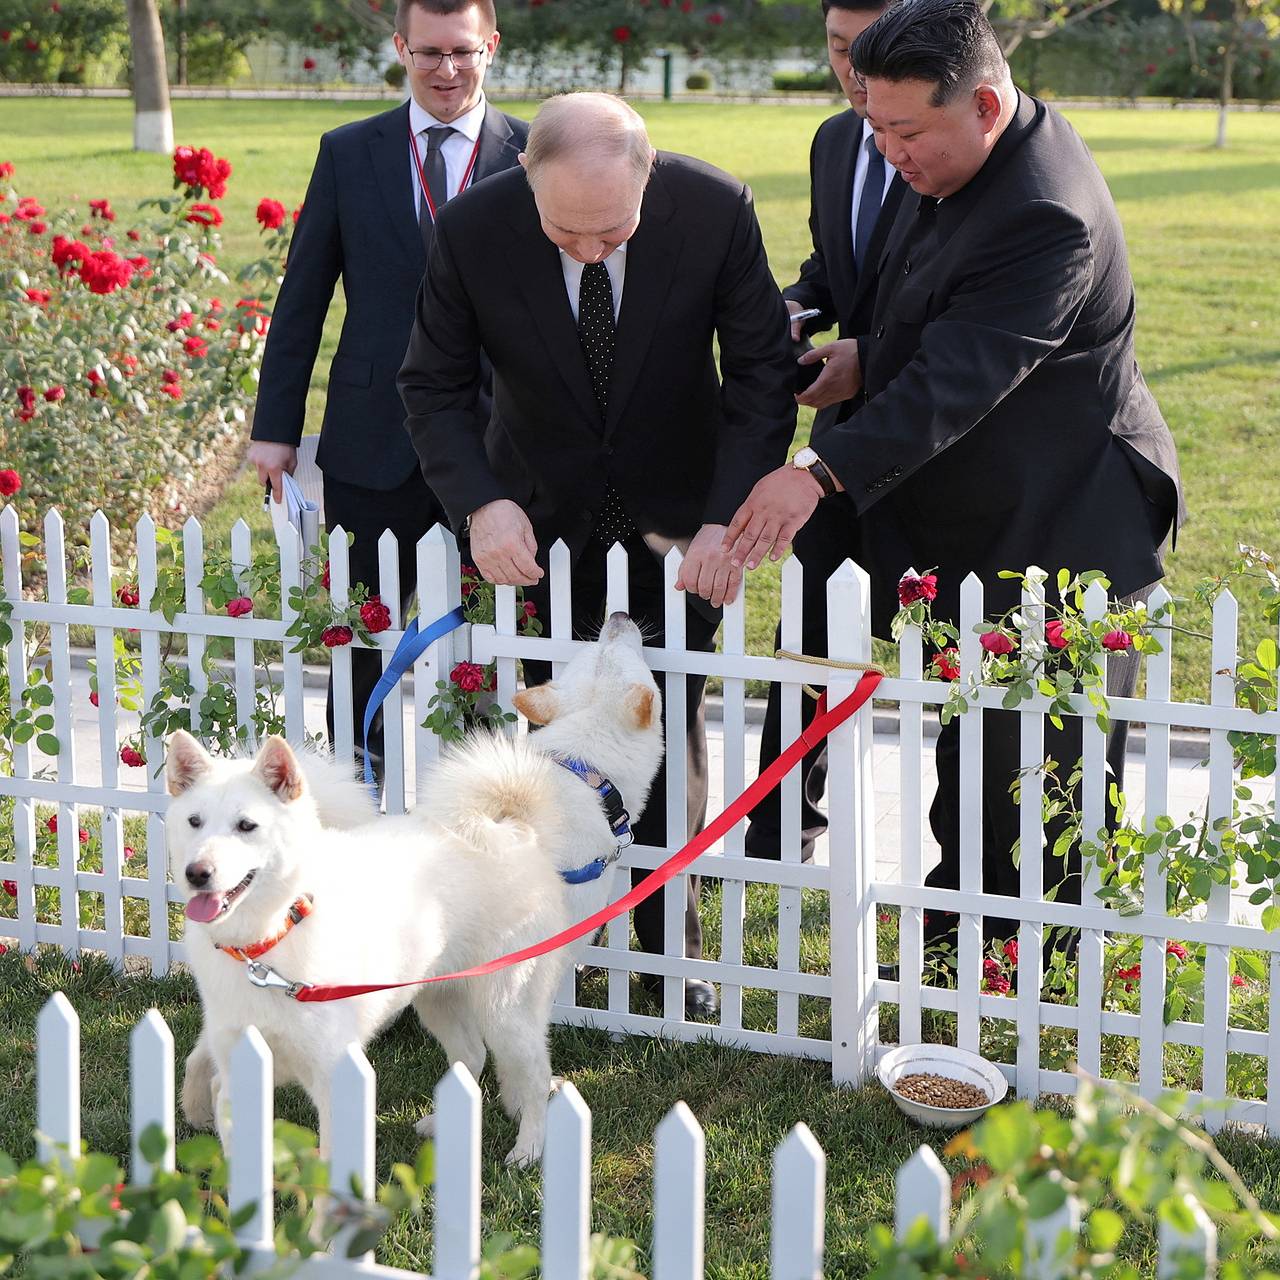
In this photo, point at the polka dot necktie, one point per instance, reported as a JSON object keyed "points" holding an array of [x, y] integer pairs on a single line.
{"points": [[596, 333], [437, 178]]}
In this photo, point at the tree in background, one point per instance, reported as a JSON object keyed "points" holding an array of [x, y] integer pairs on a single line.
{"points": [[152, 117]]}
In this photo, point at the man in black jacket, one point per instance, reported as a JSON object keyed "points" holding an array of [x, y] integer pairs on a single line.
{"points": [[854, 195], [368, 218], [596, 286], [1006, 422]]}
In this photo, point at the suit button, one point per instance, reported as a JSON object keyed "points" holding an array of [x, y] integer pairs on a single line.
{"points": [[608, 451], [897, 471], [880, 332], [587, 517], [906, 267]]}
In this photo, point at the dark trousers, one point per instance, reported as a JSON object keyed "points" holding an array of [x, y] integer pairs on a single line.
{"points": [[821, 546], [1001, 761], [646, 606], [408, 511]]}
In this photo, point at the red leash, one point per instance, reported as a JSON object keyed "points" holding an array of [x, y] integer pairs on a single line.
{"points": [[824, 723]]}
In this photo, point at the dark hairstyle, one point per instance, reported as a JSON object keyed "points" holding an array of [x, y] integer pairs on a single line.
{"points": [[486, 8], [854, 6], [946, 43]]}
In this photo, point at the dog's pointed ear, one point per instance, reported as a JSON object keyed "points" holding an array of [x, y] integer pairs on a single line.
{"points": [[185, 762], [539, 705], [279, 769], [639, 702]]}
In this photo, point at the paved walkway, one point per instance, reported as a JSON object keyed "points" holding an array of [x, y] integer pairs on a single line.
{"points": [[1188, 782]]}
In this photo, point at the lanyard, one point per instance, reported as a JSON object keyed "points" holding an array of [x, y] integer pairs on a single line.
{"points": [[422, 177]]}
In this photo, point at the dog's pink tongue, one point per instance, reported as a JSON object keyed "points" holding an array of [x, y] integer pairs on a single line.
{"points": [[205, 907]]}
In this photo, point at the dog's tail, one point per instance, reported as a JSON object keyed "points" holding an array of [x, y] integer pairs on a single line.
{"points": [[490, 779], [342, 801]]}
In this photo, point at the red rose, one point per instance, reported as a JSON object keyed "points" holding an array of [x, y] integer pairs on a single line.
{"points": [[990, 967], [998, 984], [1176, 949], [170, 375], [130, 363], [29, 207], [1055, 633], [133, 235], [10, 483], [715, 19], [10, 887], [201, 170], [206, 215], [271, 213], [335, 637], [38, 296], [195, 347], [621, 34], [946, 665], [297, 213], [215, 305], [212, 324], [51, 824], [375, 615], [996, 642], [37, 228], [914, 586], [171, 389], [93, 697], [324, 577], [1011, 951], [1117, 641], [530, 609], [1129, 976], [54, 394], [128, 595], [468, 676], [65, 252], [238, 607], [105, 272], [6, 166], [1151, 68], [1238, 980], [184, 320], [131, 757], [84, 836], [130, 851], [308, 64], [102, 209]]}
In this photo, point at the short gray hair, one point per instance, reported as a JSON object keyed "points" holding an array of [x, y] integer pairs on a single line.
{"points": [[592, 128]]}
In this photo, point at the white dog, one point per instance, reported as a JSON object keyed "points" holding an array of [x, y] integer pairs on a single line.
{"points": [[505, 848]]}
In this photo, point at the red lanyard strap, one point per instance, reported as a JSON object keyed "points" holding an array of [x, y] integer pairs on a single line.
{"points": [[422, 177], [824, 723]]}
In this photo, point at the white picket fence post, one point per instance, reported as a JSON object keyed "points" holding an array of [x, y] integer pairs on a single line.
{"points": [[58, 1080], [151, 1092], [566, 1187], [799, 1207], [679, 1175], [457, 1138]]}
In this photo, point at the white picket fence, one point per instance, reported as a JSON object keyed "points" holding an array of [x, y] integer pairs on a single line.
{"points": [[798, 1217], [849, 987]]}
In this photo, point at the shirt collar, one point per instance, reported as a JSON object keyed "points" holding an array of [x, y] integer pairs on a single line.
{"points": [[621, 249], [468, 124]]}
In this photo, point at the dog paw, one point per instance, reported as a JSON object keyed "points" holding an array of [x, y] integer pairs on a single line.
{"points": [[426, 1127], [523, 1157], [197, 1103]]}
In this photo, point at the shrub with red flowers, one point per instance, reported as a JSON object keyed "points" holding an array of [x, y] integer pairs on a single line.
{"points": [[103, 349]]}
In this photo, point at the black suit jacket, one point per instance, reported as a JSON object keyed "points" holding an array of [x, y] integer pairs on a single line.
{"points": [[829, 277], [682, 446], [358, 222], [1006, 421]]}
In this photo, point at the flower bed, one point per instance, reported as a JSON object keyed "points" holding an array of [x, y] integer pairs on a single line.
{"points": [[128, 368]]}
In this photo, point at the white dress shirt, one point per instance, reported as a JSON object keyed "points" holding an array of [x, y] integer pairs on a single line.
{"points": [[615, 264], [860, 178], [456, 149]]}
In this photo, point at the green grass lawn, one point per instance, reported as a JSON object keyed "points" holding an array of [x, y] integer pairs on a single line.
{"points": [[1203, 229]]}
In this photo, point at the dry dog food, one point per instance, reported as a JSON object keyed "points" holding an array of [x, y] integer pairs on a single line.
{"points": [[940, 1091]]}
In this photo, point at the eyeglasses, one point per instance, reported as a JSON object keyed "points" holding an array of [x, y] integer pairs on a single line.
{"points": [[460, 59]]}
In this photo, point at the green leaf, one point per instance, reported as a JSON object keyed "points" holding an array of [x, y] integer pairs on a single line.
{"points": [[153, 1144], [48, 744], [1105, 1229]]}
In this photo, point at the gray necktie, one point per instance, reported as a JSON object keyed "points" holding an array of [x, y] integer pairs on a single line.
{"points": [[433, 170], [869, 203]]}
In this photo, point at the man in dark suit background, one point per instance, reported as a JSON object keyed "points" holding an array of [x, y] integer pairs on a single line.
{"points": [[368, 219], [596, 286], [854, 196], [1006, 422]]}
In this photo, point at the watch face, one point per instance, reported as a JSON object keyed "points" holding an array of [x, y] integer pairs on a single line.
{"points": [[804, 458]]}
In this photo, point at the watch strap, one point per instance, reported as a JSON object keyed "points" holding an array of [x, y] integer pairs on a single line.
{"points": [[818, 470]]}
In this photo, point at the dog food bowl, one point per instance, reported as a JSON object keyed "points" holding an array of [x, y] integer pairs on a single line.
{"points": [[941, 1060]]}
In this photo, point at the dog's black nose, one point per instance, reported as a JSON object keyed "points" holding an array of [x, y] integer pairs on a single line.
{"points": [[199, 874]]}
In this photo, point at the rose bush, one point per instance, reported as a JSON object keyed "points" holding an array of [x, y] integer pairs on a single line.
{"points": [[123, 372]]}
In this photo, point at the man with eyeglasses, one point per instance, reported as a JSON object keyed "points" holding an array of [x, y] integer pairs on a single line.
{"points": [[369, 218], [854, 194]]}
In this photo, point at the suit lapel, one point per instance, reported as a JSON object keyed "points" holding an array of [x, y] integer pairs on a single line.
{"points": [[652, 254], [389, 151], [497, 152], [537, 273]]}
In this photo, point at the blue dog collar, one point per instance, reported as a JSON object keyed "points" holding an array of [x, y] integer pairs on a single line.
{"points": [[615, 811]]}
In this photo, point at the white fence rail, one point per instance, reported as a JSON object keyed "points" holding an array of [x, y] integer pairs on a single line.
{"points": [[776, 997], [799, 1168]]}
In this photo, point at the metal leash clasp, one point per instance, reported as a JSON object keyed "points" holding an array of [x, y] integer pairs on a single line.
{"points": [[263, 975]]}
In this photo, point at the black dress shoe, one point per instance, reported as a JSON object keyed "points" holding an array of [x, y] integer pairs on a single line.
{"points": [[700, 1000]]}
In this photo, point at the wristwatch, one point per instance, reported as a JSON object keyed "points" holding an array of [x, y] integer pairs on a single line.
{"points": [[807, 460]]}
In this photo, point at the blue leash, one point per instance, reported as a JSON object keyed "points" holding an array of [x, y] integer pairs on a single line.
{"points": [[412, 645]]}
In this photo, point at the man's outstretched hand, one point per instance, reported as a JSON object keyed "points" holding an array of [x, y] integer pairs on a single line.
{"points": [[706, 570], [503, 546], [773, 513]]}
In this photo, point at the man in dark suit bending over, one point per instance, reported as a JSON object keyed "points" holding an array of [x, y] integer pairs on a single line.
{"points": [[368, 218], [854, 196], [596, 285], [1006, 422]]}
